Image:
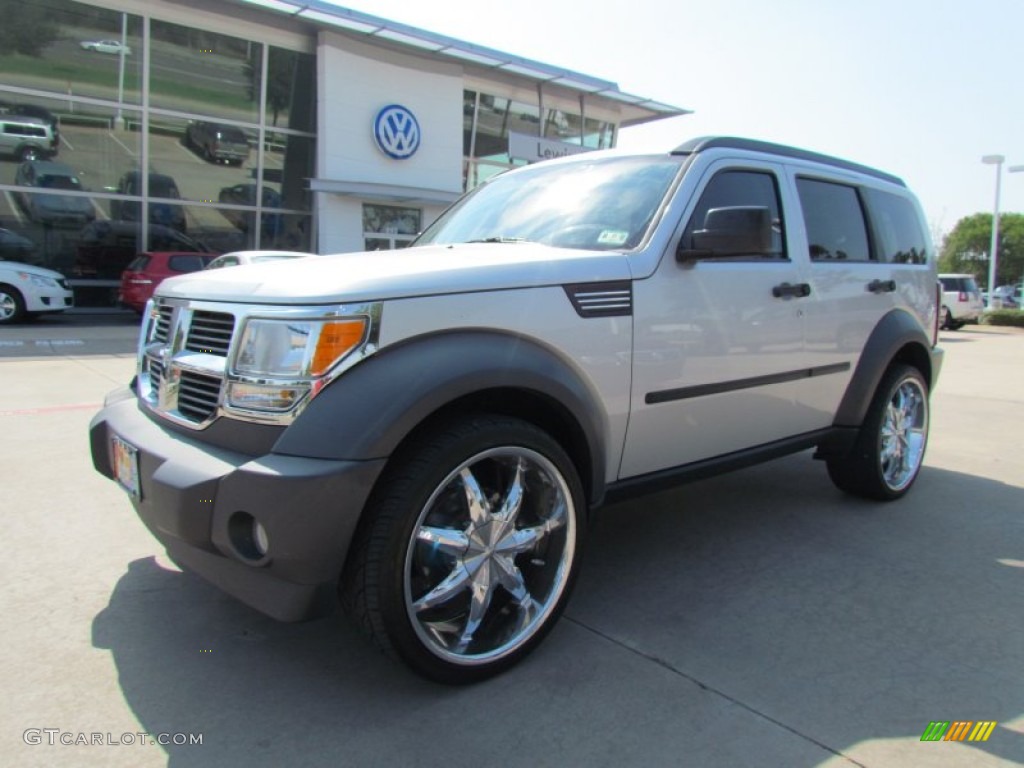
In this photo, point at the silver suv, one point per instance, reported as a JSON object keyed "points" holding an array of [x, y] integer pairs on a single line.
{"points": [[428, 431], [26, 138]]}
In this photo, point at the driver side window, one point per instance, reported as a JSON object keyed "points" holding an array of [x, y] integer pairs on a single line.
{"points": [[733, 189]]}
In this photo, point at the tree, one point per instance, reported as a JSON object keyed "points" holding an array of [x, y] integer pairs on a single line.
{"points": [[27, 28], [965, 248]]}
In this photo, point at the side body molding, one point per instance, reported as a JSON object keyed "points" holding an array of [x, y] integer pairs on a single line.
{"points": [[369, 410], [897, 336]]}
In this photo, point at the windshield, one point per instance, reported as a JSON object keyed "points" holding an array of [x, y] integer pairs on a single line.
{"points": [[59, 182], [605, 204]]}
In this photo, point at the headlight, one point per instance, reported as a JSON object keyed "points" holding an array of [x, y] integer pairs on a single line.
{"points": [[38, 280], [296, 348]]}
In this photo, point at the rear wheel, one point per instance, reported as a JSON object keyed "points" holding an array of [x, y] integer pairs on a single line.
{"points": [[890, 448], [469, 548], [28, 153], [12, 305]]}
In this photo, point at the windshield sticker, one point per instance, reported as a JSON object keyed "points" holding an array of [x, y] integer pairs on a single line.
{"points": [[613, 237]]}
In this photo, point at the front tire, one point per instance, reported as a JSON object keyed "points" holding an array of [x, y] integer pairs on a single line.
{"points": [[889, 450], [12, 305], [468, 549]]}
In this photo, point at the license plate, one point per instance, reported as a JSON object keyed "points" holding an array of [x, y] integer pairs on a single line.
{"points": [[126, 465]]}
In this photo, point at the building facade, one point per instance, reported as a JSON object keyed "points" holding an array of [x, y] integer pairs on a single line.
{"points": [[234, 124]]}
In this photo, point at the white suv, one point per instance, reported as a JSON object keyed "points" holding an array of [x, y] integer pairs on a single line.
{"points": [[429, 430], [961, 301]]}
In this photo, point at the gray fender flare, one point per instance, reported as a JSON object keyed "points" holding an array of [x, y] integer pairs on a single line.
{"points": [[895, 333], [370, 409]]}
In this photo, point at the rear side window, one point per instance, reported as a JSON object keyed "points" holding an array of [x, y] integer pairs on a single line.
{"points": [[732, 189], [901, 238], [186, 262], [139, 263], [834, 218], [961, 284]]}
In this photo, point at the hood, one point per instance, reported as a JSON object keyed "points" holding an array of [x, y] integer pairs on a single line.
{"points": [[17, 266], [377, 275], [64, 204]]}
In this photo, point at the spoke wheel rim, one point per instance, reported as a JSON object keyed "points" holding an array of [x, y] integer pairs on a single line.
{"points": [[904, 434], [7, 306], [490, 555]]}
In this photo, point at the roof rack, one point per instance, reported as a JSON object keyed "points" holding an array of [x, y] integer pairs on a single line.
{"points": [[693, 146]]}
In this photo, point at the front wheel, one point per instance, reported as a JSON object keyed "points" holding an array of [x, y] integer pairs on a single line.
{"points": [[469, 548], [890, 447], [12, 305]]}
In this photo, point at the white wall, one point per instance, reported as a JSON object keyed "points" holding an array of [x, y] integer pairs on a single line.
{"points": [[355, 81]]}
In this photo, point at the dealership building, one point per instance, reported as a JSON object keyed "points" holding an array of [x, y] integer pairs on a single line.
{"points": [[235, 124]]}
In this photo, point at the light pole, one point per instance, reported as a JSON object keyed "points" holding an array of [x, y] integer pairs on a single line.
{"points": [[997, 161]]}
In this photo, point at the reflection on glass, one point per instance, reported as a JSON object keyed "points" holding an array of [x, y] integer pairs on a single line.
{"points": [[562, 126], [71, 48], [288, 163], [291, 90], [598, 134], [199, 158], [202, 72], [495, 118], [391, 219]]}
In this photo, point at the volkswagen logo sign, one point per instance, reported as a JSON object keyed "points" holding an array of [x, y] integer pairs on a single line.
{"points": [[397, 132]]}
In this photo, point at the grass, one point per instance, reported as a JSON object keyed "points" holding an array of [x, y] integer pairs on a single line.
{"points": [[63, 77], [1011, 317]]}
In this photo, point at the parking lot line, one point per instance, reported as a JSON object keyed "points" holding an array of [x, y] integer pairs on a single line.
{"points": [[15, 208], [121, 144]]}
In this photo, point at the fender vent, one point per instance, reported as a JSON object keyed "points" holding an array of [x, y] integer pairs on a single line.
{"points": [[611, 299]]}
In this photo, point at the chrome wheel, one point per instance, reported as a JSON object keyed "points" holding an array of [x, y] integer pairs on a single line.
{"points": [[490, 555], [11, 305], [904, 434], [468, 548], [889, 450]]}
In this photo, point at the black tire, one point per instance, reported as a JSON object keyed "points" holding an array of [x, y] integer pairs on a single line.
{"points": [[12, 305], [948, 323], [890, 447], [28, 153], [461, 591]]}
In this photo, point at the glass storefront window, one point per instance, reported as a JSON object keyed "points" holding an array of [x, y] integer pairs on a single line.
{"points": [[291, 90], [386, 227], [70, 48], [495, 118], [201, 72], [563, 126], [288, 162], [598, 134]]}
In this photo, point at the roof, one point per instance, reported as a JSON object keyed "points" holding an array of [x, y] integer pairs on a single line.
{"points": [[635, 109], [752, 145]]}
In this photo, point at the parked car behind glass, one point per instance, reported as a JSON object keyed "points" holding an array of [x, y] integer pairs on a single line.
{"points": [[26, 138], [55, 210], [14, 247], [271, 224], [105, 248], [160, 185]]}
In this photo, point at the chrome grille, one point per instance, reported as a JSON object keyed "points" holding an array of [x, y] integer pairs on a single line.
{"points": [[210, 332], [163, 323], [198, 395]]}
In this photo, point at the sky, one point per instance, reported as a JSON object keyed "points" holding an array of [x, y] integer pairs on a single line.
{"points": [[919, 88]]}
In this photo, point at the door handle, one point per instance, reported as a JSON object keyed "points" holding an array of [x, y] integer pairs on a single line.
{"points": [[882, 286], [800, 290]]}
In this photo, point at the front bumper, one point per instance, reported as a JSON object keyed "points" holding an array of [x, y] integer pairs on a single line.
{"points": [[192, 496]]}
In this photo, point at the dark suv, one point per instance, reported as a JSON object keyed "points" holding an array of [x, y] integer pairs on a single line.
{"points": [[160, 186]]}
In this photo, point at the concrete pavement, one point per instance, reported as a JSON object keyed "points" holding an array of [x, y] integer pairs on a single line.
{"points": [[760, 618]]}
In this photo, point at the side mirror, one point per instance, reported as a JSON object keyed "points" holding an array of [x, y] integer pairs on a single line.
{"points": [[733, 231]]}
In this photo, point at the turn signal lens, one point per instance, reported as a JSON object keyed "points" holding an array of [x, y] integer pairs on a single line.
{"points": [[336, 339]]}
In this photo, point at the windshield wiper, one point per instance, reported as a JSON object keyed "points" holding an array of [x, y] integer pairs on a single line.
{"points": [[500, 239]]}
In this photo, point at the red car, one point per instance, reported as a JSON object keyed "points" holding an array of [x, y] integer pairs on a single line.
{"points": [[147, 270]]}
